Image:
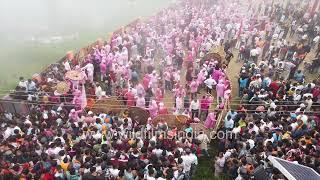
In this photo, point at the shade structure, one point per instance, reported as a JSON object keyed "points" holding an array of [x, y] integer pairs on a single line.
{"points": [[108, 105], [211, 58], [139, 115], [294, 171], [172, 121], [200, 127]]}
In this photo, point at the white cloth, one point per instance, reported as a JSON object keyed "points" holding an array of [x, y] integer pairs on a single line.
{"points": [[203, 138], [66, 65], [210, 83], [195, 105], [188, 160]]}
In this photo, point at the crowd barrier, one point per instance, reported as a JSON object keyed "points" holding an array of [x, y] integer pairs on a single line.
{"points": [[15, 106]]}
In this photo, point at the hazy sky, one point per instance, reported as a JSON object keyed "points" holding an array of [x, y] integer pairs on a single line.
{"points": [[27, 28], [25, 17]]}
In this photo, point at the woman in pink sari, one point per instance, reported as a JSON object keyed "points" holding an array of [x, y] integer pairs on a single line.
{"points": [[211, 120]]}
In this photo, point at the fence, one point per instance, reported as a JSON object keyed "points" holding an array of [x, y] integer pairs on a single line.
{"points": [[14, 106]]}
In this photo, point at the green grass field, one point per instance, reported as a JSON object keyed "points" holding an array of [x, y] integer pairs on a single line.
{"points": [[19, 57]]}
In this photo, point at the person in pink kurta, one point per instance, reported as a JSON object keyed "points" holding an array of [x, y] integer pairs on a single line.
{"points": [[169, 48], [130, 98], [216, 74], [74, 115], [162, 109], [193, 88], [199, 40], [146, 82], [153, 109], [103, 69], [181, 91], [201, 77], [77, 100], [140, 90], [220, 89], [189, 57], [227, 97], [159, 95], [211, 120], [179, 105], [193, 44], [141, 102]]}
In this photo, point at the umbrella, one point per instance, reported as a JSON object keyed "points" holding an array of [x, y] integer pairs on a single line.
{"points": [[74, 75], [62, 87]]}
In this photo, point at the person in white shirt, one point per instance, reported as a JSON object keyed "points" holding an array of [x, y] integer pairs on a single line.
{"points": [[219, 164], [176, 76], [31, 86], [296, 96], [315, 41], [270, 139], [66, 65], [228, 123], [254, 54], [97, 135], [309, 103], [114, 172], [8, 132], [204, 140], [188, 160], [22, 83], [157, 151], [194, 107], [119, 40], [210, 83], [98, 90], [90, 71]]}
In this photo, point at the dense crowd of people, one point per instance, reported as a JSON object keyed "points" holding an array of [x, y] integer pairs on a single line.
{"points": [[279, 109], [158, 65]]}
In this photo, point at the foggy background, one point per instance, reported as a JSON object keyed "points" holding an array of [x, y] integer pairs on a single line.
{"points": [[35, 33], [27, 18]]}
